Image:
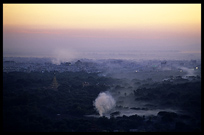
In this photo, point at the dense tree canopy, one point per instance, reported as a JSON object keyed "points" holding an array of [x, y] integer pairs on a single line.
{"points": [[29, 104]]}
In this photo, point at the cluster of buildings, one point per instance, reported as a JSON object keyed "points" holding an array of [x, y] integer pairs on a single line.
{"points": [[24, 66], [98, 66]]}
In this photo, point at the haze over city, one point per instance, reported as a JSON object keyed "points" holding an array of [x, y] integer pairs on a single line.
{"points": [[101, 67], [68, 31]]}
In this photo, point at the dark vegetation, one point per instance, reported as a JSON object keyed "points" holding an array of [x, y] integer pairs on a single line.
{"points": [[185, 96], [29, 105]]}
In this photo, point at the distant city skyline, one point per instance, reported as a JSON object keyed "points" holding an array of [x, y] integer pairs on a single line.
{"points": [[68, 30]]}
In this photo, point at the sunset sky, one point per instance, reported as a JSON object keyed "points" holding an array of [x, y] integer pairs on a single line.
{"points": [[49, 30]]}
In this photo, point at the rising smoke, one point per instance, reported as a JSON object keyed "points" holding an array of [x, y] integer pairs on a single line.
{"points": [[64, 55], [104, 103], [189, 72]]}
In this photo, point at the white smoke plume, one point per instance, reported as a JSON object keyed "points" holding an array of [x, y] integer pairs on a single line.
{"points": [[104, 103], [189, 72], [56, 61], [64, 55]]}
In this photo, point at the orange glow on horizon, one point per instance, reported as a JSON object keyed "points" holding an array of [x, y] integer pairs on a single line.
{"points": [[101, 16]]}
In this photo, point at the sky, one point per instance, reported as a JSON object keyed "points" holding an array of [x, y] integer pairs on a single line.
{"points": [[71, 30]]}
